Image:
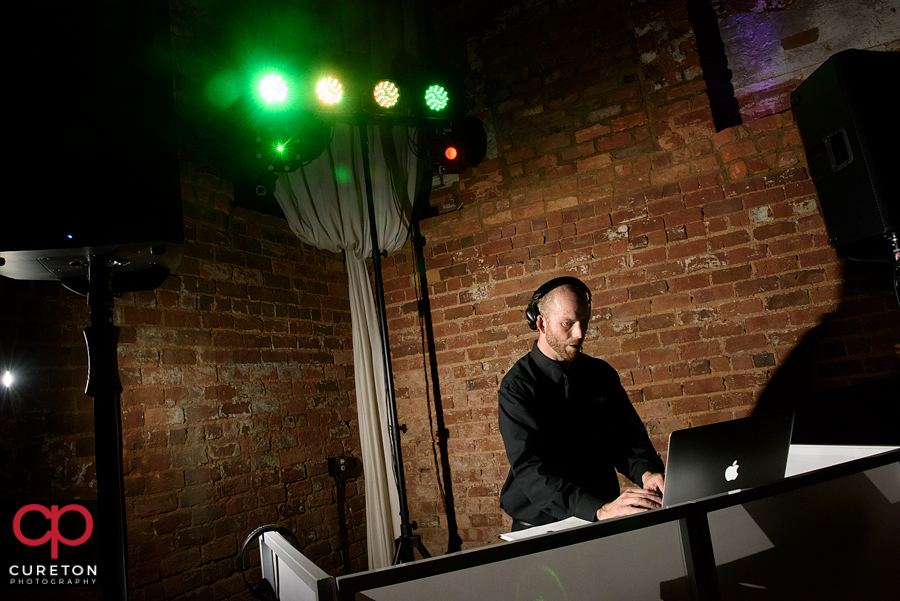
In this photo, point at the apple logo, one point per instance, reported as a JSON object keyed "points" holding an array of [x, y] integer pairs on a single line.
{"points": [[732, 472]]}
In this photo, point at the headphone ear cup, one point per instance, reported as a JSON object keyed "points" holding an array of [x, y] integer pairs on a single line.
{"points": [[531, 315]]}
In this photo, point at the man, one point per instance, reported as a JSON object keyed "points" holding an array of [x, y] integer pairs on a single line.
{"points": [[568, 425]]}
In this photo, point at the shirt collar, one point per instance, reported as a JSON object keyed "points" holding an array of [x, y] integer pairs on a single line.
{"points": [[551, 368]]}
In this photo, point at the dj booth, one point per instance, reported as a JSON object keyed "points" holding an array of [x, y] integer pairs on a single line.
{"points": [[829, 533]]}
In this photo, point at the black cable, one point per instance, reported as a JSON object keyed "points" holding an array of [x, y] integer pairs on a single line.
{"points": [[897, 284], [870, 260]]}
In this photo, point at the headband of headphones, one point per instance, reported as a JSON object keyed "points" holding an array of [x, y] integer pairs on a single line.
{"points": [[532, 311], [263, 590]]}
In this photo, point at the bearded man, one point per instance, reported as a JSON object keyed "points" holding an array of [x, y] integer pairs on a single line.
{"points": [[568, 425]]}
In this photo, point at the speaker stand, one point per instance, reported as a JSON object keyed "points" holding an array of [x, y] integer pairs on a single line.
{"points": [[104, 386]]}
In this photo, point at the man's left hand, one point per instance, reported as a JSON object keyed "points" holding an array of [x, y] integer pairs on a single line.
{"points": [[653, 481]]}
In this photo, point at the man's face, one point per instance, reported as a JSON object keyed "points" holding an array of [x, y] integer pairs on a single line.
{"points": [[564, 324]]}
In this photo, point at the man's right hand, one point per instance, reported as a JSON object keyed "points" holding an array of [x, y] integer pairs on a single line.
{"points": [[633, 500]]}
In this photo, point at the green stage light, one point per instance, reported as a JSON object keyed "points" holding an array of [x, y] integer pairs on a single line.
{"points": [[436, 97], [329, 90], [273, 88], [386, 94]]}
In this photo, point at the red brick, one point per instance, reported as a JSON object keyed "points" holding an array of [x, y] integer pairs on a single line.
{"points": [[662, 391], [791, 299], [734, 274], [756, 286], [672, 337], [687, 249], [705, 386], [591, 132], [774, 229], [640, 228], [691, 405], [763, 198], [723, 207], [607, 143], [691, 282], [746, 342], [629, 121], [647, 290], [738, 150]]}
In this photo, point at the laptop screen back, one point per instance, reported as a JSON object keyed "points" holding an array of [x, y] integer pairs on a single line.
{"points": [[719, 458]]}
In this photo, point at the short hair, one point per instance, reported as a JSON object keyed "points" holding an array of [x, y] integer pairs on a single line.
{"points": [[544, 302], [538, 300]]}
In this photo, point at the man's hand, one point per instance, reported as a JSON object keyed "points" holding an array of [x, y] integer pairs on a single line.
{"points": [[653, 481], [633, 500]]}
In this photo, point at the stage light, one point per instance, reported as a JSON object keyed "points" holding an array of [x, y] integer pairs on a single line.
{"points": [[386, 94], [329, 90], [7, 379], [436, 97], [460, 147], [273, 89]]}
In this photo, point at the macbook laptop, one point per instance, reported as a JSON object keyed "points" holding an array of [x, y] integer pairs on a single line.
{"points": [[727, 457]]}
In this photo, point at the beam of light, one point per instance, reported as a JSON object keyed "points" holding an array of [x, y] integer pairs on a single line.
{"points": [[386, 94], [329, 90], [7, 379], [436, 97], [273, 88]]}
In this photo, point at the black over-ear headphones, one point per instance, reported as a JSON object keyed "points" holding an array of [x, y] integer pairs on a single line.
{"points": [[532, 311], [263, 589]]}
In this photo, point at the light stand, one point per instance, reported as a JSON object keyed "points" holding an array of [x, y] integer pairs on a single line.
{"points": [[104, 386], [894, 238], [407, 541]]}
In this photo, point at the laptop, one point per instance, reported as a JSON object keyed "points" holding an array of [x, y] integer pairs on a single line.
{"points": [[726, 457]]}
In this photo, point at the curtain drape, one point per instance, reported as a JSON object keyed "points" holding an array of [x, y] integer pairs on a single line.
{"points": [[326, 206]]}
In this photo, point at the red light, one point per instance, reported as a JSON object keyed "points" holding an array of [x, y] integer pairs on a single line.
{"points": [[451, 153]]}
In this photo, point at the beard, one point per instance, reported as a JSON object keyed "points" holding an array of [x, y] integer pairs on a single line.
{"points": [[566, 348]]}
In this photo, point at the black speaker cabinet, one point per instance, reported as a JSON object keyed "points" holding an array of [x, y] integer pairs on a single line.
{"points": [[92, 167], [847, 115]]}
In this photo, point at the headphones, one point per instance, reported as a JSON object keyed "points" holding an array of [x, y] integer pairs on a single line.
{"points": [[532, 311], [263, 590]]}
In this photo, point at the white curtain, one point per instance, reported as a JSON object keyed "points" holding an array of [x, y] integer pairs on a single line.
{"points": [[326, 206]]}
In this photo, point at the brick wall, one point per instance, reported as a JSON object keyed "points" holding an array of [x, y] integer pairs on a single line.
{"points": [[238, 385], [714, 292], [705, 251]]}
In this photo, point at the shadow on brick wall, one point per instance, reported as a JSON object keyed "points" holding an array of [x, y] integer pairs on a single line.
{"points": [[843, 378]]}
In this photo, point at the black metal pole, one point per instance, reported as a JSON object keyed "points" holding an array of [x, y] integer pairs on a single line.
{"points": [[104, 386], [407, 542]]}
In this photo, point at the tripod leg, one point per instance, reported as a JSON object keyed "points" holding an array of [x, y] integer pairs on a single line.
{"points": [[421, 547]]}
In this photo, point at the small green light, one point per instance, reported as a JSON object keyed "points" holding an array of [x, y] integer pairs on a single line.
{"points": [[436, 97], [280, 148], [273, 88], [342, 174]]}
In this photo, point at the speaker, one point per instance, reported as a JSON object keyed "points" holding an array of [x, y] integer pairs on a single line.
{"points": [[92, 161], [846, 113]]}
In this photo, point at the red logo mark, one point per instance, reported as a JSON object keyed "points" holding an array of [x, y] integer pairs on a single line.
{"points": [[53, 514]]}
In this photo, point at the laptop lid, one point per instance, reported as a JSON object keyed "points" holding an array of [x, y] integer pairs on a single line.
{"points": [[726, 457]]}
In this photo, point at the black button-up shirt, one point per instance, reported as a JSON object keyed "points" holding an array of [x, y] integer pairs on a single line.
{"points": [[567, 427]]}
